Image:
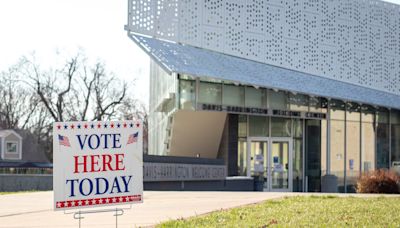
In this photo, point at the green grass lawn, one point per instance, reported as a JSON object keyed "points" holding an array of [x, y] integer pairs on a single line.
{"points": [[303, 211]]}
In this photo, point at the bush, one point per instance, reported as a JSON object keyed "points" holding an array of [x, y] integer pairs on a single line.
{"points": [[379, 181]]}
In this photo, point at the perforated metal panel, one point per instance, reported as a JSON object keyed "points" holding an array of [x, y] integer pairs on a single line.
{"points": [[355, 41]]}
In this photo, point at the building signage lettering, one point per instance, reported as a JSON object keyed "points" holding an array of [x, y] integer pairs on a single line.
{"points": [[97, 164], [261, 111], [183, 172]]}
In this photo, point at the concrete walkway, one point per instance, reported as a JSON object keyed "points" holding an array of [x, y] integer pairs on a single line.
{"points": [[35, 209]]}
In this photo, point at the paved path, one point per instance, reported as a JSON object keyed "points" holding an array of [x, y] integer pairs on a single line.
{"points": [[35, 209]]}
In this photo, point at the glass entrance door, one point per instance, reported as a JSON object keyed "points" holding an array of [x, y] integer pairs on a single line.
{"points": [[271, 158], [259, 159], [281, 167]]}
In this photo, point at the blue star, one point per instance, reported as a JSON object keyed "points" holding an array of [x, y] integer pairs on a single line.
{"points": [[118, 125], [65, 127], [92, 126], [131, 125], [79, 126], [105, 125]]}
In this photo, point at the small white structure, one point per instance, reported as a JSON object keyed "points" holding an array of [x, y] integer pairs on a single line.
{"points": [[10, 145]]}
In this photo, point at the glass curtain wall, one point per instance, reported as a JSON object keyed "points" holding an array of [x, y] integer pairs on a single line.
{"points": [[297, 155], [298, 102], [353, 145], [187, 94], [367, 138], [313, 155], [210, 93], [255, 98], [278, 100], [395, 137], [382, 139], [233, 95], [242, 145], [337, 141]]}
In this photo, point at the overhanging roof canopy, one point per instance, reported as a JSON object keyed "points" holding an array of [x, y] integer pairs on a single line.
{"points": [[203, 63]]}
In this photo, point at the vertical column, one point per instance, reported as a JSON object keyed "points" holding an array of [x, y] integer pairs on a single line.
{"points": [[328, 139], [345, 148], [390, 138]]}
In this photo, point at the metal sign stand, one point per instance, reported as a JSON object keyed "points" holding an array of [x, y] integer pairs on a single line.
{"points": [[117, 212]]}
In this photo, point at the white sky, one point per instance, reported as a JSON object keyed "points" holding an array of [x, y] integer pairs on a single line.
{"points": [[50, 26], [96, 26]]}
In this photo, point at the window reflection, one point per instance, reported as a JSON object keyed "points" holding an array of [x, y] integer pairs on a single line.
{"points": [[278, 100], [395, 121], [337, 151], [258, 126], [382, 140], [280, 127], [210, 93], [367, 138], [255, 98], [233, 95], [242, 157], [187, 94], [298, 102]]}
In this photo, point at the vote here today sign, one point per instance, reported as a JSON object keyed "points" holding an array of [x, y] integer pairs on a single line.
{"points": [[97, 164]]}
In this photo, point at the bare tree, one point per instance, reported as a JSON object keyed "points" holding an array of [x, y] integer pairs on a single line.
{"points": [[32, 98], [17, 105], [132, 109], [77, 91]]}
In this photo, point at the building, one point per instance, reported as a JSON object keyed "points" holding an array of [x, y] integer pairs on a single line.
{"points": [[21, 154], [295, 90]]}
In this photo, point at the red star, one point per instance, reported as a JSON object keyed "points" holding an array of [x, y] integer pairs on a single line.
{"points": [[98, 125], [85, 126], [112, 125], [125, 125], [59, 127], [72, 126], [137, 125]]}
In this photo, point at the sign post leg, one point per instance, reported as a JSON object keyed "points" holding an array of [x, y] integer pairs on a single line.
{"points": [[78, 215]]}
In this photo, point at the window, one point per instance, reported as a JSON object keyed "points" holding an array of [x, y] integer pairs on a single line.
{"points": [[11, 147], [210, 93], [281, 127], [367, 138], [395, 120], [382, 140], [278, 100], [258, 126], [337, 109], [318, 104], [337, 147], [298, 102], [353, 147], [233, 95], [297, 155], [255, 98], [242, 133], [187, 94]]}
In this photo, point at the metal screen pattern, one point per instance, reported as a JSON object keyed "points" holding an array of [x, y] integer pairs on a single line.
{"points": [[355, 41]]}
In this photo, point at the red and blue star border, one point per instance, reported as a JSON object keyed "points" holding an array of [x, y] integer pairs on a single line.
{"points": [[94, 125], [98, 201]]}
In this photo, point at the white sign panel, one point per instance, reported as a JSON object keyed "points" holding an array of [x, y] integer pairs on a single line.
{"points": [[97, 164]]}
